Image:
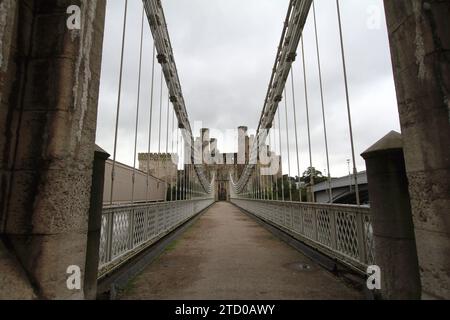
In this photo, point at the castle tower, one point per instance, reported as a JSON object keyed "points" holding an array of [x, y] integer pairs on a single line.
{"points": [[160, 165]]}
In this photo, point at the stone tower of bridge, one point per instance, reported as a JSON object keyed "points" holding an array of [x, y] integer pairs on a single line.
{"points": [[419, 34], [49, 81]]}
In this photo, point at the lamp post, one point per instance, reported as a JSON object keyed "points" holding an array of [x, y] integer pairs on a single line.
{"points": [[349, 174]]}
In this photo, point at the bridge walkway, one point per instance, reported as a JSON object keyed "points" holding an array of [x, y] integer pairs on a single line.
{"points": [[228, 255]]}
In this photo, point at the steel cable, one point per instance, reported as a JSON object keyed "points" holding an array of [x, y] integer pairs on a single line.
{"points": [[311, 168], [118, 101], [330, 191], [288, 147], [137, 108], [150, 120], [296, 133], [355, 171]]}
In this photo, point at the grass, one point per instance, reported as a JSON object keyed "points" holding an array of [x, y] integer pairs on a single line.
{"points": [[171, 246]]}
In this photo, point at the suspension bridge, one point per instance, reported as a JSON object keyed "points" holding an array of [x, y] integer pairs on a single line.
{"points": [[215, 219]]}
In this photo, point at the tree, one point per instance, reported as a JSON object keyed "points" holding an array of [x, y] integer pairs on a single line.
{"points": [[283, 185], [312, 172]]}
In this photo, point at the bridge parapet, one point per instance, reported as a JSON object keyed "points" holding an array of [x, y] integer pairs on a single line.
{"points": [[129, 229], [342, 232]]}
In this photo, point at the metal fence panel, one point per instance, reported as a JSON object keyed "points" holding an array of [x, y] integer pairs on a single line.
{"points": [[126, 230], [343, 232]]}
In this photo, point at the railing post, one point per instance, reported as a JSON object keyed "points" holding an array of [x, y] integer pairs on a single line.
{"points": [[302, 220], [361, 238], [293, 208], [316, 229], [147, 210], [109, 236], [332, 214], [131, 230], [94, 224], [393, 230]]}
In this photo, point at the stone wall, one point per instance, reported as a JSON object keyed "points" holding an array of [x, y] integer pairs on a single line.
{"points": [[160, 165], [49, 81], [419, 33], [123, 185]]}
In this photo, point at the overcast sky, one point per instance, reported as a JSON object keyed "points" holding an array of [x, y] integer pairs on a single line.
{"points": [[224, 51]]}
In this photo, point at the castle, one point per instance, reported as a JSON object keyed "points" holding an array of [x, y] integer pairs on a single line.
{"points": [[222, 166]]}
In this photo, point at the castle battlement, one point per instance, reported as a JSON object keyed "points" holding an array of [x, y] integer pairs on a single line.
{"points": [[157, 156]]}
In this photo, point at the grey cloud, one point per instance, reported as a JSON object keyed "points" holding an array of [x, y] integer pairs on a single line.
{"points": [[225, 50]]}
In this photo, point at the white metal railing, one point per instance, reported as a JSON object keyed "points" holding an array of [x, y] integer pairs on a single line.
{"points": [[343, 232], [126, 230]]}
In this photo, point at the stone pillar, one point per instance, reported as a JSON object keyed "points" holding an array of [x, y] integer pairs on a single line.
{"points": [[419, 34], [95, 224], [48, 115], [8, 66], [393, 230]]}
